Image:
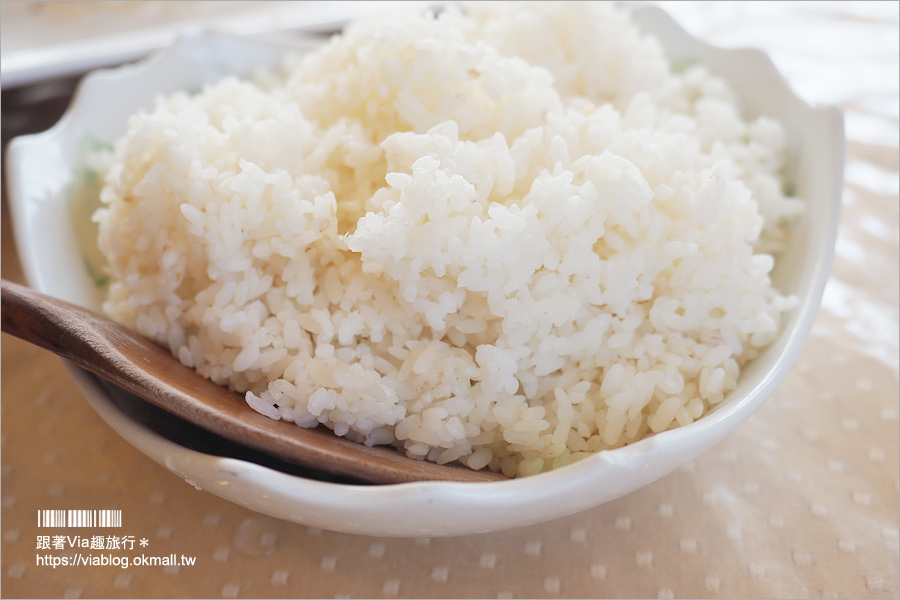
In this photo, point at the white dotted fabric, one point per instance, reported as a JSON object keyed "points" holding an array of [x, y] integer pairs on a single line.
{"points": [[802, 501]]}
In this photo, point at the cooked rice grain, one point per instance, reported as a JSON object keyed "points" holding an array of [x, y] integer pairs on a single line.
{"points": [[510, 237]]}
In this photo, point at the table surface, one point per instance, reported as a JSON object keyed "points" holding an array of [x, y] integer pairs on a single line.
{"points": [[802, 501]]}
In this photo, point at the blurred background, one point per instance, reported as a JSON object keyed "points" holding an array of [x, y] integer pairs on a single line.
{"points": [[802, 501]]}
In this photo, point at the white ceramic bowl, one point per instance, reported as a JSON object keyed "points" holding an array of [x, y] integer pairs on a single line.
{"points": [[40, 168]]}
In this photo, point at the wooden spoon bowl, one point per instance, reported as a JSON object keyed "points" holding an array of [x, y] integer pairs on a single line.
{"points": [[143, 368]]}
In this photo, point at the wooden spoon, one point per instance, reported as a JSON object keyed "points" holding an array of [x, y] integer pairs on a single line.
{"points": [[136, 364]]}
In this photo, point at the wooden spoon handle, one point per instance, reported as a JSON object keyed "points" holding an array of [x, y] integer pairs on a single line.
{"points": [[55, 325], [99, 345], [81, 336], [143, 368]]}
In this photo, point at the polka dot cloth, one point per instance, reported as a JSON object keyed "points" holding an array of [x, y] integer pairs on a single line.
{"points": [[802, 501]]}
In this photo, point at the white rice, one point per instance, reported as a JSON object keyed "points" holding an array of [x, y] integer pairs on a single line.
{"points": [[508, 238]]}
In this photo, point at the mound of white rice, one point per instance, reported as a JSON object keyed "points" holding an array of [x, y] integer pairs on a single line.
{"points": [[509, 238]]}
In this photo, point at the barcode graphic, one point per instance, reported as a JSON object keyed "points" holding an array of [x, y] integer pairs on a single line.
{"points": [[80, 518]]}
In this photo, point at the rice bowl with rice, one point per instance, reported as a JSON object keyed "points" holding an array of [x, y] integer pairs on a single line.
{"points": [[510, 237]]}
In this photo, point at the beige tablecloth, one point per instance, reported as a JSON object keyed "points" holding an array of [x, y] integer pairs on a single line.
{"points": [[802, 501]]}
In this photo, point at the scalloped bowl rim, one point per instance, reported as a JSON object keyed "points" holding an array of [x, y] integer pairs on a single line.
{"points": [[443, 508]]}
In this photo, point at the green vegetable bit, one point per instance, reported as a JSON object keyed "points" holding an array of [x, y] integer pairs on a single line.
{"points": [[84, 200]]}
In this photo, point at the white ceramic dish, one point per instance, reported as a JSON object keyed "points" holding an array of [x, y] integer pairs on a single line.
{"points": [[40, 169], [44, 40]]}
